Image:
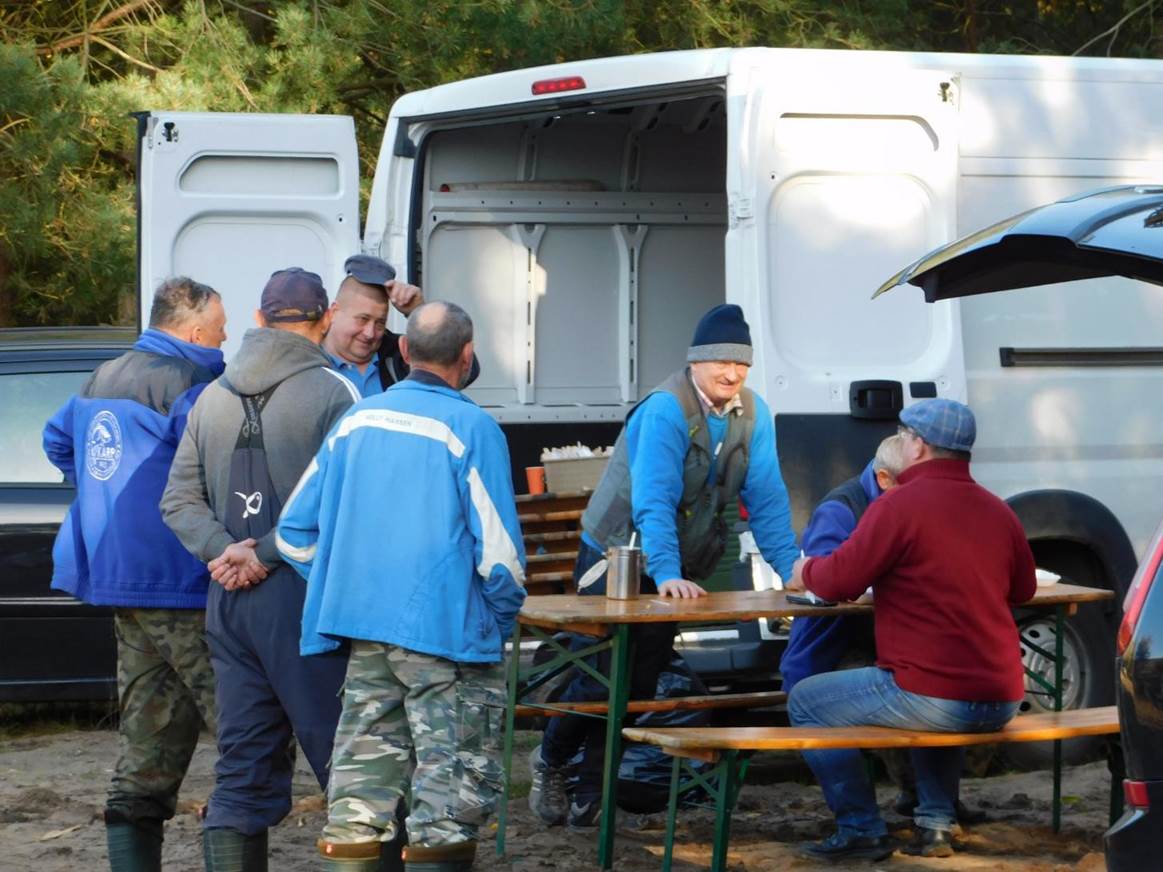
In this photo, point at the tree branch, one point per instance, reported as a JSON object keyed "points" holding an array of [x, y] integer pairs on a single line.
{"points": [[1113, 30], [100, 24]]}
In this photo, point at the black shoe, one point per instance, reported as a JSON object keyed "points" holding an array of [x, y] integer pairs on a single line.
{"points": [[905, 803], [930, 843], [838, 847], [967, 815], [583, 815]]}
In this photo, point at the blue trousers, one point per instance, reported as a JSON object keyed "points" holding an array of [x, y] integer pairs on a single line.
{"points": [[267, 695], [870, 697], [653, 648]]}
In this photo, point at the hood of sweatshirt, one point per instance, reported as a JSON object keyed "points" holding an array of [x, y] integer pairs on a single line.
{"points": [[269, 356], [160, 342]]}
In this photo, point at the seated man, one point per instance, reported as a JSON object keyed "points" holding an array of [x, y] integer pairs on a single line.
{"points": [[946, 560]]}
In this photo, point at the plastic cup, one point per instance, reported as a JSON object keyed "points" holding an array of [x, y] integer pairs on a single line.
{"points": [[535, 476]]}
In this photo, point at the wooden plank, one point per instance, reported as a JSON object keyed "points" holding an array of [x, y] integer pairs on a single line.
{"points": [[560, 515], [739, 605], [538, 560], [1027, 728], [569, 537], [758, 699]]}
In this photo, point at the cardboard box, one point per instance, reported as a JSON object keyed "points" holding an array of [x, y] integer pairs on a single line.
{"points": [[573, 473]]}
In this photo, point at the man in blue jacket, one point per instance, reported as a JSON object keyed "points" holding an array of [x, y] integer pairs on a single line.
{"points": [[426, 602], [694, 445], [115, 442]]}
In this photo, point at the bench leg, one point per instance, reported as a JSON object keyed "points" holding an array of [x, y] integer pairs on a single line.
{"points": [[1056, 802], [671, 813], [729, 781], [616, 713], [510, 717]]}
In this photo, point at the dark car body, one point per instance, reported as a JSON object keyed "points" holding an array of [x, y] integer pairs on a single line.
{"points": [[52, 647]]}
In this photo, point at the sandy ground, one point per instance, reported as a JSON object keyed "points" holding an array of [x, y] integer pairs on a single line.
{"points": [[52, 790]]}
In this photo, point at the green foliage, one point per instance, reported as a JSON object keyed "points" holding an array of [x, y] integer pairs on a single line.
{"points": [[71, 70]]}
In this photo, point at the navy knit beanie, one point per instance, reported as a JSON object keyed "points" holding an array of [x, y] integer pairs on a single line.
{"points": [[722, 334]]}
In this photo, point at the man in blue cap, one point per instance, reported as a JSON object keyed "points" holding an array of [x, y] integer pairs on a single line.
{"points": [[362, 348], [248, 440], [697, 443], [946, 560]]}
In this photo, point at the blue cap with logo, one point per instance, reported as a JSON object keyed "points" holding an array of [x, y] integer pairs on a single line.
{"points": [[942, 423]]}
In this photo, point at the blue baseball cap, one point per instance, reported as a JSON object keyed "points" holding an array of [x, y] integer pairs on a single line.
{"points": [[942, 423], [293, 294]]}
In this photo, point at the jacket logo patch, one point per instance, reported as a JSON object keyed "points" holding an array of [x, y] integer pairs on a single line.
{"points": [[103, 446], [252, 504]]}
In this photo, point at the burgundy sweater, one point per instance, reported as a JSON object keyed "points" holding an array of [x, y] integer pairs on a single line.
{"points": [[946, 560]]}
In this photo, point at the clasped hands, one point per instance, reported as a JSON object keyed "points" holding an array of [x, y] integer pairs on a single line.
{"points": [[238, 567]]}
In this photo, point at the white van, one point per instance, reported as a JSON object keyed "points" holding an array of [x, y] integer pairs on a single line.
{"points": [[585, 214]]}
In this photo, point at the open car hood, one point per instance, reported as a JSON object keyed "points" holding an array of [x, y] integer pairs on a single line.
{"points": [[1111, 232]]}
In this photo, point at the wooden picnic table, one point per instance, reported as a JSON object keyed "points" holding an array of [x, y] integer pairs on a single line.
{"points": [[610, 620]]}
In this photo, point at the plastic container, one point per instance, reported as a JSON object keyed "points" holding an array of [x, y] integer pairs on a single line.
{"points": [[573, 473]]}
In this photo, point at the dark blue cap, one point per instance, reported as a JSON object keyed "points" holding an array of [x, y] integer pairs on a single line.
{"points": [[722, 334], [369, 270], [942, 423], [293, 294]]}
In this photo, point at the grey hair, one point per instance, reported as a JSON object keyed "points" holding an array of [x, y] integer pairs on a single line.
{"points": [[890, 456], [438, 332], [177, 300]]}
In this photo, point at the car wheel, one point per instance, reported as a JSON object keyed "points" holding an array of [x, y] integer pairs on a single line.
{"points": [[1087, 677]]}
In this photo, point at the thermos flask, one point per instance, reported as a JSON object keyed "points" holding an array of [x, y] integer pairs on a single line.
{"points": [[622, 581]]}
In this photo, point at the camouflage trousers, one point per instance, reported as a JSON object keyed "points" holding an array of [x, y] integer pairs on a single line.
{"points": [[166, 691], [420, 725]]}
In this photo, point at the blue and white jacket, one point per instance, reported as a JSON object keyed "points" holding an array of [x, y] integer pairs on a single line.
{"points": [[115, 441], [445, 576]]}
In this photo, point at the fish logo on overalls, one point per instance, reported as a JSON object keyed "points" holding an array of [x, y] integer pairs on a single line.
{"points": [[103, 446]]}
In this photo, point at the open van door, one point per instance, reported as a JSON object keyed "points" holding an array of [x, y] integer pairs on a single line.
{"points": [[834, 180], [227, 199]]}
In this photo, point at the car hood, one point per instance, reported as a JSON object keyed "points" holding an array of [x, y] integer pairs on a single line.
{"points": [[1111, 232]]}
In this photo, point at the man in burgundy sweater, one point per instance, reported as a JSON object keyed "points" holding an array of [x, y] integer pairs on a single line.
{"points": [[946, 560]]}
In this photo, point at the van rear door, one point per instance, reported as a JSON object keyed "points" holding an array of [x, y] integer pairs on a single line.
{"points": [[227, 199], [839, 176]]}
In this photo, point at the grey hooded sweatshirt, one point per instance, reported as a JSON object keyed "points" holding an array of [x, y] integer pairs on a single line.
{"points": [[310, 398]]}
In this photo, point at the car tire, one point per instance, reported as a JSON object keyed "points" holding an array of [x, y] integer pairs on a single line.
{"points": [[1089, 672]]}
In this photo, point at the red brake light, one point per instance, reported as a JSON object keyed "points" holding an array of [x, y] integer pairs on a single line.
{"points": [[1137, 595], [556, 86], [1135, 793]]}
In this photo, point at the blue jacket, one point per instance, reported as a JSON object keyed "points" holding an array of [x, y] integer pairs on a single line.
{"points": [[656, 473], [817, 644], [115, 441], [446, 575]]}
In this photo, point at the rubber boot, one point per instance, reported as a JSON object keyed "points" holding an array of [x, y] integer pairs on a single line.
{"points": [[349, 856], [226, 850], [456, 857], [392, 853], [134, 847]]}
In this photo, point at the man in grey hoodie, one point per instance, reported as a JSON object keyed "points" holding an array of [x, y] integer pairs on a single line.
{"points": [[247, 441]]}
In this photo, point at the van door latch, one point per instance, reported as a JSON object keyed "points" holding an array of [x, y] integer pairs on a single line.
{"points": [[875, 399]]}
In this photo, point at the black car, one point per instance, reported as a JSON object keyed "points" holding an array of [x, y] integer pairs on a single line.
{"points": [[1115, 231], [51, 646]]}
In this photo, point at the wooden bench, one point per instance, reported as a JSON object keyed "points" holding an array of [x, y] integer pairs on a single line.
{"points": [[551, 529], [760, 699], [722, 747]]}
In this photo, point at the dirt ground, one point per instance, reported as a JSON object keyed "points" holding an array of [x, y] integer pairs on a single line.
{"points": [[52, 789]]}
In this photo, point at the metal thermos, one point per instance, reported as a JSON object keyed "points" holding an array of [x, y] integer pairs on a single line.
{"points": [[622, 579]]}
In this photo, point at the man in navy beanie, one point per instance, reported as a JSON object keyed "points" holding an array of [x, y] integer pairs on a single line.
{"points": [[697, 443]]}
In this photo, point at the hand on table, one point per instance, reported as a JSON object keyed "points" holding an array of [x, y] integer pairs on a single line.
{"points": [[796, 582], [680, 588]]}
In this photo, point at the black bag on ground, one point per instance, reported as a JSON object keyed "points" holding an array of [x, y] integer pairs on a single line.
{"points": [[253, 507]]}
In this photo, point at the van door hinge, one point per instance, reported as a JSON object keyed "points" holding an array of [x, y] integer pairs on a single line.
{"points": [[947, 92], [739, 209]]}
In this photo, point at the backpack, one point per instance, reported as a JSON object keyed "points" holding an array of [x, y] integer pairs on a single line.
{"points": [[253, 506]]}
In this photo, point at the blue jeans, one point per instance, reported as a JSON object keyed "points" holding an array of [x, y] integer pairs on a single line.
{"points": [[870, 697]]}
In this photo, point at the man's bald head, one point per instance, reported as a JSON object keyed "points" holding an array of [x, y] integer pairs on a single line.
{"points": [[438, 333]]}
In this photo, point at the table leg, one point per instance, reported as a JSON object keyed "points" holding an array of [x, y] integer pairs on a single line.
{"points": [[514, 675], [671, 813], [724, 805], [1056, 802], [615, 713]]}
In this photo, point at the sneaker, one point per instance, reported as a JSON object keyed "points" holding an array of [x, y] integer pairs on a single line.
{"points": [[584, 815], [547, 797], [838, 847], [930, 843]]}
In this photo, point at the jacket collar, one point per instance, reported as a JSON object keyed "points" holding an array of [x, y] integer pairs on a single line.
{"points": [[160, 342], [421, 380], [956, 470]]}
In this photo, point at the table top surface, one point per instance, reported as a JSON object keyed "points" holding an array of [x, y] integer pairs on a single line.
{"points": [[741, 605]]}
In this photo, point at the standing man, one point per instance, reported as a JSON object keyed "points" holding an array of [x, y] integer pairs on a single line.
{"points": [[248, 440], [361, 347], [694, 445], [115, 442], [946, 560], [427, 604]]}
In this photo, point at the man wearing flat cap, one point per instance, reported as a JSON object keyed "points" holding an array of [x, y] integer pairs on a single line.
{"points": [[362, 348], [247, 442], [696, 444], [946, 560]]}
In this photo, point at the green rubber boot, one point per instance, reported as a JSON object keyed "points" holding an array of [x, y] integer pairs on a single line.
{"points": [[227, 850], [456, 857], [134, 848], [348, 857]]}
